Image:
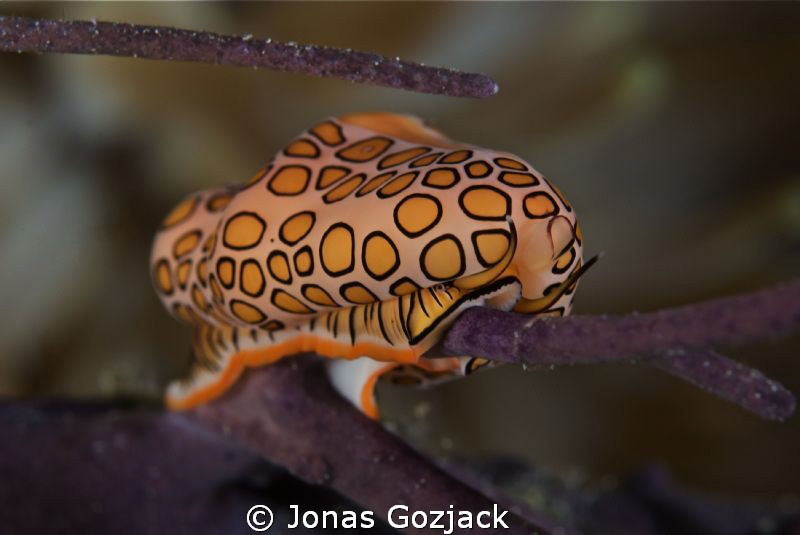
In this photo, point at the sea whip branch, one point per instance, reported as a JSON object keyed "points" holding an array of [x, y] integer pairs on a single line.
{"points": [[676, 340], [289, 413], [22, 34]]}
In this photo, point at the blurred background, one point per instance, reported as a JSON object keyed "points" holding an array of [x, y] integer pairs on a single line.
{"points": [[673, 129]]}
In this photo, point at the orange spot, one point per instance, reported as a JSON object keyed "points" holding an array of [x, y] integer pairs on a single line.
{"points": [[244, 230], [296, 227], [330, 133], [539, 205], [442, 178], [365, 150], [457, 156], [210, 242], [181, 212], [302, 148], [184, 268], [290, 180], [247, 312], [289, 303], [218, 202], [186, 243], [252, 279], [491, 246], [225, 271], [303, 262], [163, 276], [401, 157], [443, 259], [416, 214], [379, 256], [344, 189], [318, 296], [336, 249], [397, 184], [478, 169], [358, 293], [426, 160], [278, 266], [405, 287], [518, 179], [508, 163], [483, 202], [202, 270], [330, 175], [198, 298]]}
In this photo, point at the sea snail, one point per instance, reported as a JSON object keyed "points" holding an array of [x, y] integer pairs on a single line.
{"points": [[361, 240]]}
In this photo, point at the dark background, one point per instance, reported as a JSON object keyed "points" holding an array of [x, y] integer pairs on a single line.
{"points": [[671, 127]]}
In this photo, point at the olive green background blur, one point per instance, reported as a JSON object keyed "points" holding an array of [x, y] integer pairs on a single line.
{"points": [[673, 128]]}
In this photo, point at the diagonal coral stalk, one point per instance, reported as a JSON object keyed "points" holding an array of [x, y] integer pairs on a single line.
{"points": [[676, 340], [289, 413], [21, 34], [730, 380]]}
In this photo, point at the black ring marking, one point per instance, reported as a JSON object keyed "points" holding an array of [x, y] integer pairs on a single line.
{"points": [[539, 194], [456, 175], [476, 175], [558, 271], [298, 140], [319, 185], [310, 227], [469, 154], [344, 287], [227, 259], [286, 260], [260, 290], [338, 131], [485, 218], [502, 179], [462, 257], [306, 287], [364, 256], [390, 182], [339, 154], [310, 270], [237, 247], [439, 212], [278, 172], [398, 282], [478, 233], [349, 268]]}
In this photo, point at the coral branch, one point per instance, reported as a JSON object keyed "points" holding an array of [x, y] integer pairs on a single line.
{"points": [[19, 34], [659, 335], [102, 468], [729, 380], [289, 413]]}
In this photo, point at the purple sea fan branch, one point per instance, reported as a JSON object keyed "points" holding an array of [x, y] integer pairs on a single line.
{"points": [[289, 413], [675, 340], [729, 380], [22, 34]]}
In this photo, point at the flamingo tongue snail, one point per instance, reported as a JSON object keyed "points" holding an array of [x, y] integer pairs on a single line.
{"points": [[361, 241]]}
